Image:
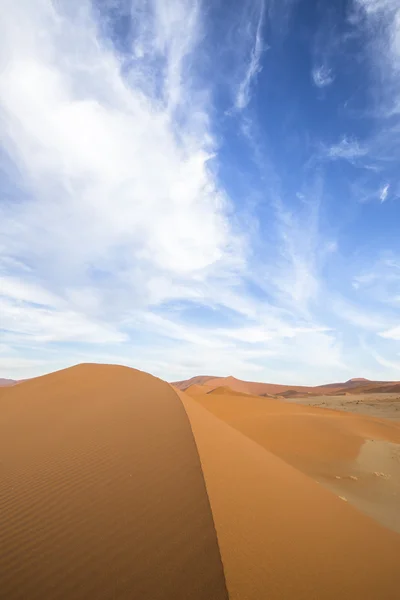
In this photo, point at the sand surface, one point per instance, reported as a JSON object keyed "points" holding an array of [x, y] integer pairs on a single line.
{"points": [[102, 495], [385, 405], [113, 485], [281, 534], [324, 444]]}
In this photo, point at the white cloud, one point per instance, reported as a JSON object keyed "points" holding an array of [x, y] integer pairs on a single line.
{"points": [[302, 252], [380, 281], [322, 76], [381, 19], [384, 192], [23, 322], [253, 67], [393, 334], [119, 188], [391, 365], [348, 148], [359, 316], [22, 290]]}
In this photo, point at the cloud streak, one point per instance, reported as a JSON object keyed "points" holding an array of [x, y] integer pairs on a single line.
{"points": [[348, 149], [253, 67]]}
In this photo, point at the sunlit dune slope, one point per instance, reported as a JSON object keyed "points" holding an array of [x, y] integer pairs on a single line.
{"points": [[312, 439], [281, 535]]}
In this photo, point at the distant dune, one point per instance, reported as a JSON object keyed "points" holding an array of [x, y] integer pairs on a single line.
{"points": [[116, 485], [224, 390], [238, 385], [7, 382], [356, 385], [198, 380], [196, 388]]}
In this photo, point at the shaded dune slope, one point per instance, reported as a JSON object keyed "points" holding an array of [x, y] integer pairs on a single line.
{"points": [[281, 535], [195, 389], [102, 493], [224, 390]]}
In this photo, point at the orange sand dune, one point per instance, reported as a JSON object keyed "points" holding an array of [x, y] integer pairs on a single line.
{"points": [[196, 388], [356, 386], [114, 485], [301, 435], [223, 390], [198, 380], [252, 387], [7, 382], [102, 494], [282, 536], [322, 443]]}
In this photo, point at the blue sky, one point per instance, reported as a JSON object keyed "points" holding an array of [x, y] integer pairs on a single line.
{"points": [[195, 187]]}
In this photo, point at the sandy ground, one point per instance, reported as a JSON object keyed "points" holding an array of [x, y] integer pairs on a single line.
{"points": [[373, 405], [102, 495], [345, 452], [281, 534]]}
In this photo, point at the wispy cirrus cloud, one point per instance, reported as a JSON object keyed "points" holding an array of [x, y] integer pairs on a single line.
{"points": [[253, 66], [393, 334], [381, 280], [322, 76], [384, 192], [348, 148]]}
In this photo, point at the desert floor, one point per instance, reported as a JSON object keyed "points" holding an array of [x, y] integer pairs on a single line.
{"points": [[373, 405]]}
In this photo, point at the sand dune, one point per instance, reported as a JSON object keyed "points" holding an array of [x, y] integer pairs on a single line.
{"points": [[115, 485], [391, 388], [281, 535], [323, 444], [7, 382], [102, 494], [224, 390], [195, 389], [198, 380], [356, 385], [253, 387]]}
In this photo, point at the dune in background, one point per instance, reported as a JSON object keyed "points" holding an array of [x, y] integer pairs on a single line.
{"points": [[7, 382], [102, 494], [356, 385]]}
